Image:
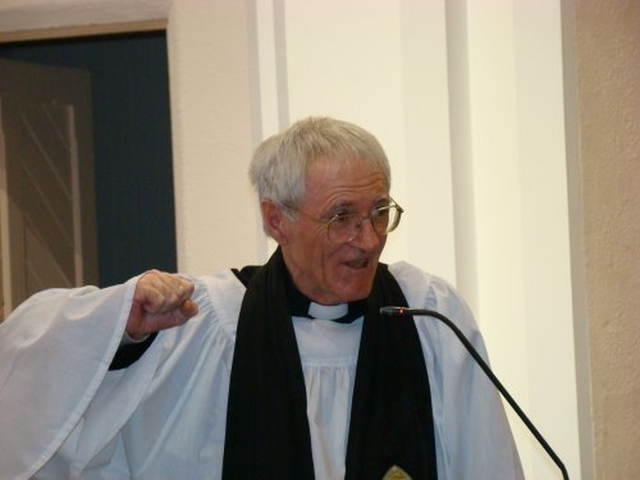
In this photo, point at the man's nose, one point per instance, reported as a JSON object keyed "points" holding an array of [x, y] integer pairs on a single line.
{"points": [[367, 237]]}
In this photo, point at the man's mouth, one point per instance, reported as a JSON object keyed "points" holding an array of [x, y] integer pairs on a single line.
{"points": [[358, 263]]}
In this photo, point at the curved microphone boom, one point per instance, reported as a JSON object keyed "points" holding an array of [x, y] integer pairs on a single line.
{"points": [[406, 312]]}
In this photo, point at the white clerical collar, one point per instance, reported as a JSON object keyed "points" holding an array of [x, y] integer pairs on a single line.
{"points": [[302, 306], [328, 312]]}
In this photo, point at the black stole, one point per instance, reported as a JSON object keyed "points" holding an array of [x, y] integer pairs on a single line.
{"points": [[267, 433]]}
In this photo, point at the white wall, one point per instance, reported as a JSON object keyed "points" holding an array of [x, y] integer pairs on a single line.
{"points": [[522, 264], [467, 99]]}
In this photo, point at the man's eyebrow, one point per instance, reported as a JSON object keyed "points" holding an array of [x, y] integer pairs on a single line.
{"points": [[383, 202], [342, 204], [348, 206], [339, 208]]}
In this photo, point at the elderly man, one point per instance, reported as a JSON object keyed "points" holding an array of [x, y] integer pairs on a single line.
{"points": [[285, 370]]}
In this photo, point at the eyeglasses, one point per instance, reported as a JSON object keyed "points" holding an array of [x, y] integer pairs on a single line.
{"points": [[344, 227]]}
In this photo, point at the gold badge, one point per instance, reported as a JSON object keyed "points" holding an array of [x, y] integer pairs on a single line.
{"points": [[396, 473]]}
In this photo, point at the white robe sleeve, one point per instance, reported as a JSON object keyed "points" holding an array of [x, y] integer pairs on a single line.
{"points": [[55, 350], [70, 417], [473, 437]]}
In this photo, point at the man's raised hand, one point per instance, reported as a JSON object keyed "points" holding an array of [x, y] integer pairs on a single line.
{"points": [[161, 300]]}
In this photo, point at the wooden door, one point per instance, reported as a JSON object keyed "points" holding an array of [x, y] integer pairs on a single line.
{"points": [[47, 201]]}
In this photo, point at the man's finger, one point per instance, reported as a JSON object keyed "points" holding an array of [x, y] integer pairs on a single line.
{"points": [[189, 308], [160, 292]]}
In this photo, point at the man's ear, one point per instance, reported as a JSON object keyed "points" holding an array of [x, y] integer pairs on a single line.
{"points": [[274, 221]]}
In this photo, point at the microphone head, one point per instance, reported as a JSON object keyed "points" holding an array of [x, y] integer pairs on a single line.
{"points": [[393, 311], [406, 311]]}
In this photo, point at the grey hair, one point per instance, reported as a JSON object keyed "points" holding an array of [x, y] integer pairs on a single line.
{"points": [[279, 165]]}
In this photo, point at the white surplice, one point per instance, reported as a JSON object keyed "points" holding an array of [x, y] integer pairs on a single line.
{"points": [[64, 415]]}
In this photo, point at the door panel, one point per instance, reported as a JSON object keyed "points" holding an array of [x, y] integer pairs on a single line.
{"points": [[47, 206]]}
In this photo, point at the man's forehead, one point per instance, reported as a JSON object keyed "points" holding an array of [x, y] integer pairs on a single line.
{"points": [[359, 203], [341, 165]]}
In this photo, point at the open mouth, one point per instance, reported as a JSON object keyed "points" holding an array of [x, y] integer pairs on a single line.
{"points": [[358, 263]]}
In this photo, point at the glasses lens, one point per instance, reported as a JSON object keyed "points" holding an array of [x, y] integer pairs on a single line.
{"points": [[386, 219], [393, 218], [343, 228], [380, 218]]}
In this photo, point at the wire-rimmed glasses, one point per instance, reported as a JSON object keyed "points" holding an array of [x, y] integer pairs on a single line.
{"points": [[344, 227]]}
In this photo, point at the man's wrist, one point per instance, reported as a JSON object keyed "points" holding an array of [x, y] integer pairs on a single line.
{"points": [[129, 340]]}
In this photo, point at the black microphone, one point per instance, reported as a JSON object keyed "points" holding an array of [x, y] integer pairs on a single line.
{"points": [[405, 312]]}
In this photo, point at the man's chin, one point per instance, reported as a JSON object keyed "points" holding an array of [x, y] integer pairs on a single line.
{"points": [[354, 293]]}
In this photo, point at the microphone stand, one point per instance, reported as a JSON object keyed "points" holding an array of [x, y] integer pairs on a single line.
{"points": [[401, 311]]}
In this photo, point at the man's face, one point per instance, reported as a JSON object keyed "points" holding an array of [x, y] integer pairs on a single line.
{"points": [[328, 272]]}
